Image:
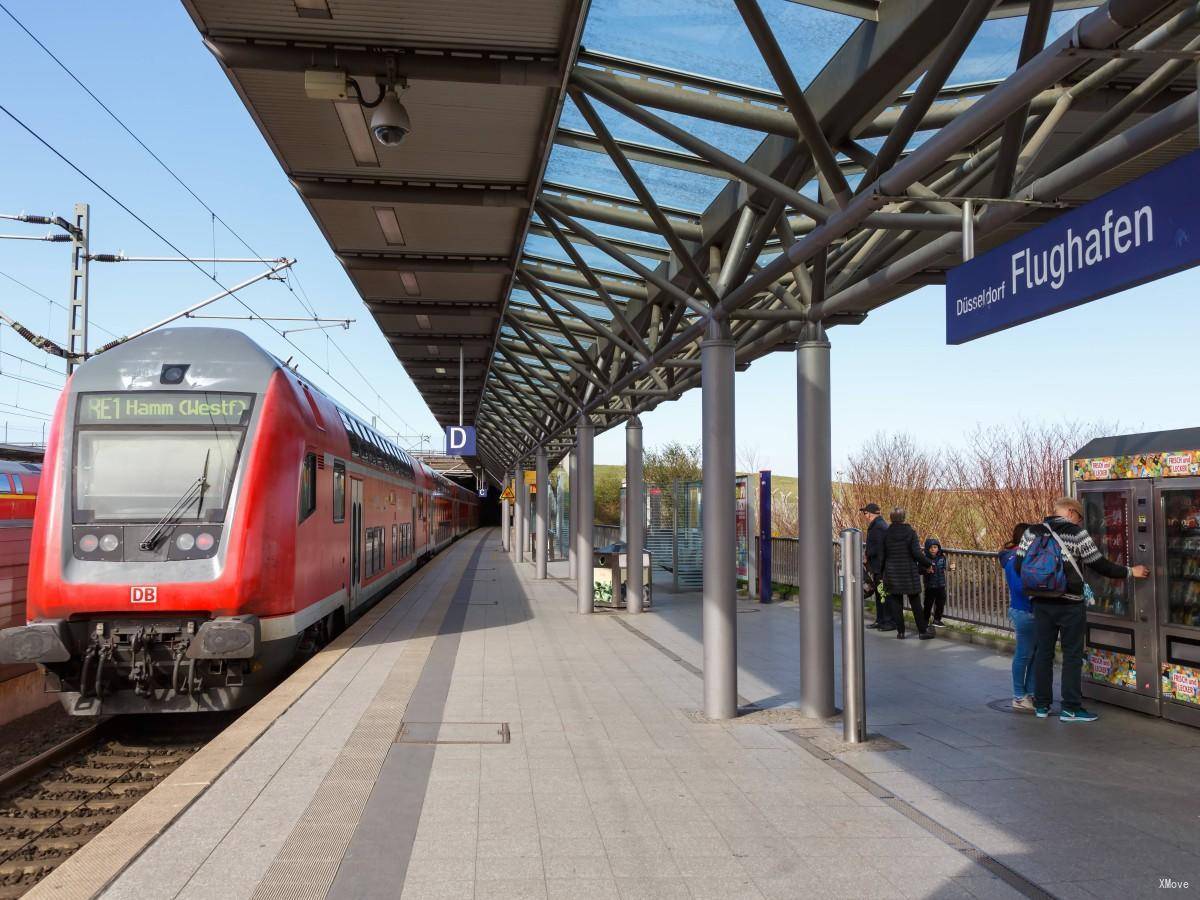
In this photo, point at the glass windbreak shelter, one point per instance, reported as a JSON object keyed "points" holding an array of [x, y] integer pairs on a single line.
{"points": [[1141, 498]]}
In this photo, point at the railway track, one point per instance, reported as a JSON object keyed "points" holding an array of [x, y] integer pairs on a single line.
{"points": [[54, 804]]}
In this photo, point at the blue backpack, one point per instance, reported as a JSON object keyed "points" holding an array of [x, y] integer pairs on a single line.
{"points": [[1042, 572]]}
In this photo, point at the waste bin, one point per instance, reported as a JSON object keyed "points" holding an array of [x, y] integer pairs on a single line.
{"points": [[610, 567]]}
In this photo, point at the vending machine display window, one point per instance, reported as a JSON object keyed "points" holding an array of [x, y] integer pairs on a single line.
{"points": [[1106, 517], [1181, 514]]}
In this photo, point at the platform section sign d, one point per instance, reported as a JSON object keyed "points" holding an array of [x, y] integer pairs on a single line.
{"points": [[1144, 230], [460, 440]]}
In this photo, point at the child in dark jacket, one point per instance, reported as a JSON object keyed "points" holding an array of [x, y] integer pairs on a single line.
{"points": [[935, 582]]}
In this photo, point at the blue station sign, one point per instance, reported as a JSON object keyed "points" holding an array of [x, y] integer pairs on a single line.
{"points": [[1139, 232], [460, 440]]}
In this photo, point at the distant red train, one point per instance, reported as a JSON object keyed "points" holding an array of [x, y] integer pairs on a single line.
{"points": [[18, 489], [207, 515]]}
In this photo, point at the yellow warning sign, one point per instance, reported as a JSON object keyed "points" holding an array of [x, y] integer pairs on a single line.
{"points": [[508, 493]]}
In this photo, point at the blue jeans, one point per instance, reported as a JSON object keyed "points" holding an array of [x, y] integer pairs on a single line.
{"points": [[1022, 664]]}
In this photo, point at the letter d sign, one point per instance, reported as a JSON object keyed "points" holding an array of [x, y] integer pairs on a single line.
{"points": [[460, 440]]}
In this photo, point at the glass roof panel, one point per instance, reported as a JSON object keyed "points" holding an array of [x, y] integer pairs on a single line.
{"points": [[708, 36], [993, 52]]}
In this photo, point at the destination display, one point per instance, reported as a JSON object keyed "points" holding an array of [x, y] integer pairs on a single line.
{"points": [[165, 408], [1144, 230]]}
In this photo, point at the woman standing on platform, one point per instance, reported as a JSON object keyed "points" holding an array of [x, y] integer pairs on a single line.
{"points": [[1020, 613], [902, 562]]}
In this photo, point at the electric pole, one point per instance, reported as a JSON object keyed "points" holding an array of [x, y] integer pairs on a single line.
{"points": [[77, 316]]}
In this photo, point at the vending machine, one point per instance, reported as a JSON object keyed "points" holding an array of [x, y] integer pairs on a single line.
{"points": [[1141, 500]]}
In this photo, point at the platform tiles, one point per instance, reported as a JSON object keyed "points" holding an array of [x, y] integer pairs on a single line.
{"points": [[484, 740]]}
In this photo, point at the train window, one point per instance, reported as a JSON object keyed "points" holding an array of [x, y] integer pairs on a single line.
{"points": [[339, 492], [17, 486], [5, 486], [376, 551], [395, 544], [308, 486]]}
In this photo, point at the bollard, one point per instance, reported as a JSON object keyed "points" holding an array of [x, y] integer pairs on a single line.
{"points": [[854, 698]]}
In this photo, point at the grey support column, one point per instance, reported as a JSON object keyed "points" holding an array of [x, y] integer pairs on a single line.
{"points": [[815, 519], [520, 528], [572, 507], [584, 435], [542, 514], [635, 515], [717, 363]]}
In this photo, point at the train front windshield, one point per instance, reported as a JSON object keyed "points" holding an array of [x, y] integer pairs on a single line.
{"points": [[144, 472]]}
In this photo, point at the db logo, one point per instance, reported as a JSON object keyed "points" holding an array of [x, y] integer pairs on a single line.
{"points": [[143, 593]]}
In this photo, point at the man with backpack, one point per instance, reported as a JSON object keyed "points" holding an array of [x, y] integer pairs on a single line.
{"points": [[1049, 559]]}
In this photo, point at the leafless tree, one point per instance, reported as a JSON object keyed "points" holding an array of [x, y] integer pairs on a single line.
{"points": [[749, 459], [1010, 474], [785, 515], [892, 470]]}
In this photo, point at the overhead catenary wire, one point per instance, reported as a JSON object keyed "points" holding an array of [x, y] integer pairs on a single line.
{"points": [[302, 297], [158, 234], [91, 322]]}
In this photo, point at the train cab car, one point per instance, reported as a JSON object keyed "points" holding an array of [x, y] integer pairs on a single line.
{"points": [[206, 516], [18, 490]]}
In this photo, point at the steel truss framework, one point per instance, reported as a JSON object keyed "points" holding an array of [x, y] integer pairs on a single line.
{"points": [[814, 227]]}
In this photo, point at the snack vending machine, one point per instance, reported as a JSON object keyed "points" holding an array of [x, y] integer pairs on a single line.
{"points": [[1141, 500]]}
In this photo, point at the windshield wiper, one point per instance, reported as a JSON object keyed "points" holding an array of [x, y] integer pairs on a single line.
{"points": [[195, 492]]}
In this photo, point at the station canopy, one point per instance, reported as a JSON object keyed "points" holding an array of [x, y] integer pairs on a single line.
{"points": [[588, 187]]}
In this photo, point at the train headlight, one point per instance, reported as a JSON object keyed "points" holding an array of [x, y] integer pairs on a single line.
{"points": [[185, 542], [88, 543], [109, 543], [204, 541]]}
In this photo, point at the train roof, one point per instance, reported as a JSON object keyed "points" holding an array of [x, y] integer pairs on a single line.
{"points": [[226, 356]]}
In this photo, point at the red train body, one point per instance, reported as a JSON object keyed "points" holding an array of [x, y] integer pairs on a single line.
{"points": [[18, 490], [206, 515]]}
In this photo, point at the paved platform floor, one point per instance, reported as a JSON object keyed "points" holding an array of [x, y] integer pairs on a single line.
{"points": [[484, 740]]}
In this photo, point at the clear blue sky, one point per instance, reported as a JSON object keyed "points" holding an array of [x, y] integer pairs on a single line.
{"points": [[1131, 354]]}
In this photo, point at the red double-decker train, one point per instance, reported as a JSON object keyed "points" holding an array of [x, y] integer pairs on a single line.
{"points": [[205, 516]]}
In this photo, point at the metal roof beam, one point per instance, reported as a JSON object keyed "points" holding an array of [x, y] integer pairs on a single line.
{"points": [[490, 67], [512, 196], [682, 253], [621, 213], [647, 153], [785, 80], [646, 251], [561, 273], [411, 308], [378, 262], [1102, 28]]}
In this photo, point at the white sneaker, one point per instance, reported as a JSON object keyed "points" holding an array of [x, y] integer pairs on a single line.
{"points": [[1024, 704]]}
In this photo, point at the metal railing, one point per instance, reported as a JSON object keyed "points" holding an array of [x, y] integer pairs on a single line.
{"points": [[975, 588], [976, 591]]}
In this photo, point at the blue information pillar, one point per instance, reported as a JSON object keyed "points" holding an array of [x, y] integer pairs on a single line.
{"points": [[764, 536]]}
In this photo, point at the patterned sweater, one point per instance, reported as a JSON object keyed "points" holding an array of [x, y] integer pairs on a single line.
{"points": [[1081, 546]]}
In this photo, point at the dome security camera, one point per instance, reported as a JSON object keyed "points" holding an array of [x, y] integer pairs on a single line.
{"points": [[390, 123]]}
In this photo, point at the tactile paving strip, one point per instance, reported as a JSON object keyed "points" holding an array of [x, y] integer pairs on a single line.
{"points": [[307, 864]]}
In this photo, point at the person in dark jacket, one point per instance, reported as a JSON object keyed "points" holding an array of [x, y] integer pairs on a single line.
{"points": [[1064, 614], [902, 559], [873, 563], [935, 582]]}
